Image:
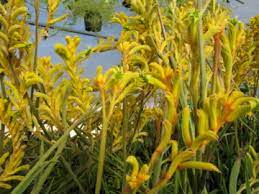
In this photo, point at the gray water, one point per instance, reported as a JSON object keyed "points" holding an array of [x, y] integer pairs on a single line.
{"points": [[108, 59]]}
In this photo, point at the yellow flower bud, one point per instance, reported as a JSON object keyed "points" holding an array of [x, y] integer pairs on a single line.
{"points": [[202, 121], [199, 165], [185, 126]]}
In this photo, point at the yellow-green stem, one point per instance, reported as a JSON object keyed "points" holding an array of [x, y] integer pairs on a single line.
{"points": [[124, 140], [157, 170], [2, 125], [201, 55], [102, 146], [37, 16], [171, 59]]}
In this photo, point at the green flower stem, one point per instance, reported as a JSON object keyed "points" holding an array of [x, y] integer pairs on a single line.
{"points": [[157, 170], [171, 59], [36, 44], [2, 125], [236, 137], [103, 143], [37, 16], [201, 54], [2, 139], [256, 83], [124, 140]]}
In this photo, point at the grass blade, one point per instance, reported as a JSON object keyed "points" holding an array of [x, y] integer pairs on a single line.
{"points": [[21, 187], [234, 177]]}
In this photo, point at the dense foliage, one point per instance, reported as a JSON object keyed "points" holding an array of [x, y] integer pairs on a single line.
{"points": [[179, 114]]}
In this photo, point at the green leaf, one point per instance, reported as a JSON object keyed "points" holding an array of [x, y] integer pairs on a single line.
{"points": [[46, 172], [41, 163], [234, 177]]}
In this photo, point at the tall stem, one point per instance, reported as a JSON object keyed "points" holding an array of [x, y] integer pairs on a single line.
{"points": [[201, 54], [2, 139], [37, 16], [171, 59], [2, 125], [102, 146], [236, 136], [256, 83], [157, 171], [124, 140]]}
